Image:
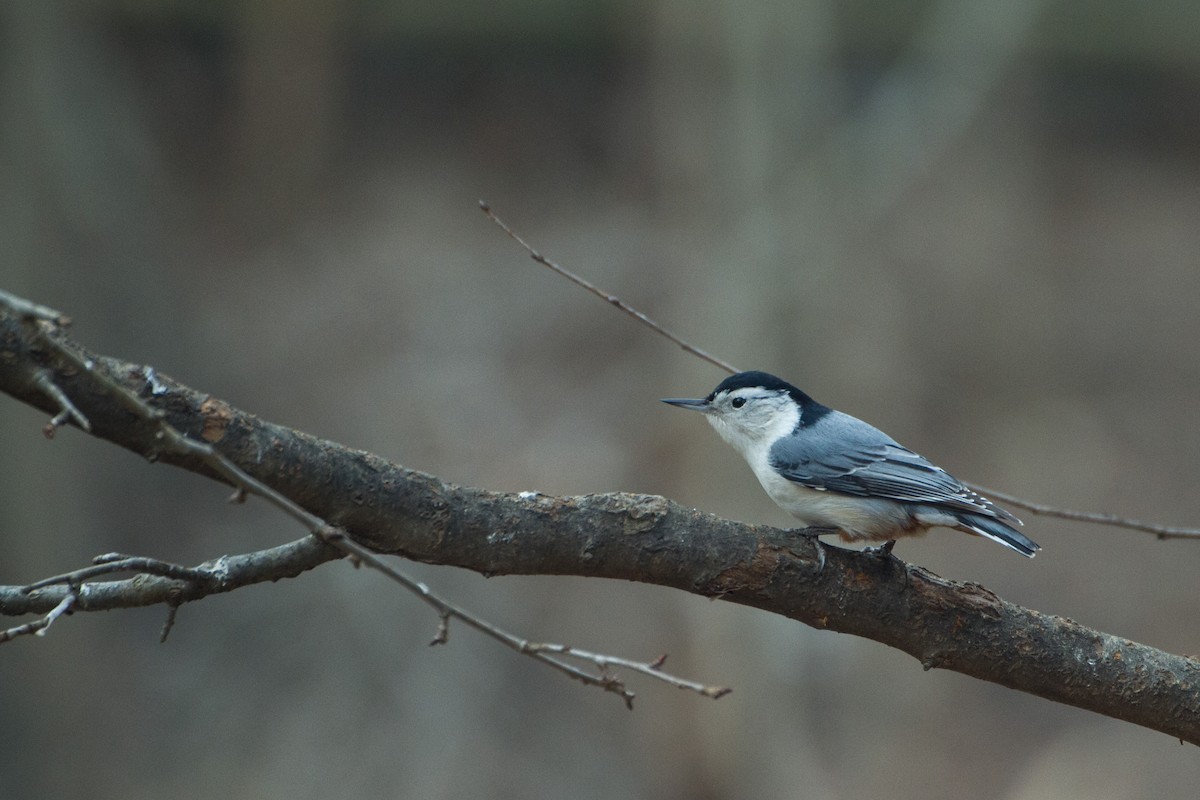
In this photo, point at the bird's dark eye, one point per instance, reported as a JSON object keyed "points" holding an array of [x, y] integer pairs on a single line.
{"points": [[737, 402]]}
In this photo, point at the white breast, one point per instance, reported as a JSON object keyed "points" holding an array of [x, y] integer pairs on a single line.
{"points": [[875, 519]]}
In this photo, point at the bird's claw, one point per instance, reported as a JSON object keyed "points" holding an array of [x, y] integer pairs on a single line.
{"points": [[817, 543], [815, 538], [882, 551]]}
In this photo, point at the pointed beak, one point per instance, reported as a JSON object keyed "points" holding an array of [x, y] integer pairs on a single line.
{"points": [[700, 405]]}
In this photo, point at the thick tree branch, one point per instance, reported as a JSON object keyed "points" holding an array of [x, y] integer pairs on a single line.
{"points": [[391, 509]]}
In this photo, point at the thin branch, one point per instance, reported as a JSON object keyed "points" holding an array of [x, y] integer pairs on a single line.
{"points": [[652, 668], [219, 576], [447, 611], [38, 626], [67, 409], [142, 565], [1094, 517], [540, 652], [1099, 518], [30, 310], [173, 602], [611, 299]]}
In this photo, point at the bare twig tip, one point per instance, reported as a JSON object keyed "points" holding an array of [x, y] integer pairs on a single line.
{"points": [[607, 297], [172, 610], [443, 630], [1161, 532]]}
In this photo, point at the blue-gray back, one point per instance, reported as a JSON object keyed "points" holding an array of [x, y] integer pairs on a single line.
{"points": [[840, 453]]}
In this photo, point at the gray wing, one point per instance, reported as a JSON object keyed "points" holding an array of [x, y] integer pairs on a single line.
{"points": [[840, 453]]}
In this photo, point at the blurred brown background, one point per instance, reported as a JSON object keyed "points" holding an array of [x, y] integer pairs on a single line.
{"points": [[973, 224]]}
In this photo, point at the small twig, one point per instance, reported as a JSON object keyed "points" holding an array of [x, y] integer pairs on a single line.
{"points": [[443, 631], [224, 574], [38, 626], [172, 610], [31, 310], [1095, 517], [67, 409], [611, 299], [1098, 518], [652, 668], [142, 565], [44, 318]]}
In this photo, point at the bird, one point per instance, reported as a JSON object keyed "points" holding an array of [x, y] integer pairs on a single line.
{"points": [[831, 470]]}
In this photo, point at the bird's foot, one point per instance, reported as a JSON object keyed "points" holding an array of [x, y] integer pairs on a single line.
{"points": [[883, 554], [814, 536], [820, 546]]}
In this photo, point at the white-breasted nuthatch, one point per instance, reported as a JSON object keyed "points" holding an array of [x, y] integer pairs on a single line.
{"points": [[831, 470]]}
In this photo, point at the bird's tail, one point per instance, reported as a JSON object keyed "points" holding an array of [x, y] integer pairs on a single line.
{"points": [[1000, 532]]}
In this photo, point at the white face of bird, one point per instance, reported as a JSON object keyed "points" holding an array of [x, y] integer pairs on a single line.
{"points": [[751, 418]]}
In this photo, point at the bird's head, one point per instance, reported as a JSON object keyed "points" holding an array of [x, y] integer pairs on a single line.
{"points": [[751, 410]]}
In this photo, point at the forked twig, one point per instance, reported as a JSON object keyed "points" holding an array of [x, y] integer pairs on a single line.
{"points": [[38, 626]]}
